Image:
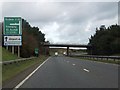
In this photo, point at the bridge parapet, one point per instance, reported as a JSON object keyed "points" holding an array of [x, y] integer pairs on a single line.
{"points": [[68, 45]]}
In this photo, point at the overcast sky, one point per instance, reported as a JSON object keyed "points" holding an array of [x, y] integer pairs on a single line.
{"points": [[65, 22]]}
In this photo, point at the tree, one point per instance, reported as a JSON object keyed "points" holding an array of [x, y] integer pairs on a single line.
{"points": [[32, 39], [106, 41]]}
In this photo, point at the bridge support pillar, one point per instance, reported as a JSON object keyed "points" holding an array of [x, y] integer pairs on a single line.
{"points": [[67, 51]]}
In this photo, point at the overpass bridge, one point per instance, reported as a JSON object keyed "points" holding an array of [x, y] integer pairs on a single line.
{"points": [[67, 45]]}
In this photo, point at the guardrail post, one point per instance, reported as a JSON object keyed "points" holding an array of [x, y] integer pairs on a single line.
{"points": [[114, 59], [107, 58], [97, 58]]}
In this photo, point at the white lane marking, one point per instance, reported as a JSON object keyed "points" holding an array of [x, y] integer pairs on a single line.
{"points": [[86, 70], [73, 64], [21, 83]]}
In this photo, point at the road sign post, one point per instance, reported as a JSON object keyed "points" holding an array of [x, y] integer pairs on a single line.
{"points": [[18, 51], [13, 32], [12, 49]]}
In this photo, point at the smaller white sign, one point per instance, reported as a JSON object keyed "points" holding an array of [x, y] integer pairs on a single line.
{"points": [[12, 40]]}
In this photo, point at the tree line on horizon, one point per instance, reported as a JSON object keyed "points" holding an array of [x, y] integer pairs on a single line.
{"points": [[105, 41]]}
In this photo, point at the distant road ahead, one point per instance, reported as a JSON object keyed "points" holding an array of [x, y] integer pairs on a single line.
{"points": [[65, 72]]}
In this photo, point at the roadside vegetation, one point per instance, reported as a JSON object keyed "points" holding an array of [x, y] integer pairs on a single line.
{"points": [[0, 53], [32, 38], [106, 41], [11, 70], [6, 55], [99, 60]]}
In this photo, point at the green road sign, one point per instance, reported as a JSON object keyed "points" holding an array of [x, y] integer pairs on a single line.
{"points": [[36, 50], [12, 26]]}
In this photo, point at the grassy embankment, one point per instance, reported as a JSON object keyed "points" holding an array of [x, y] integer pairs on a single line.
{"points": [[116, 55], [0, 53], [6, 55], [11, 70], [99, 60]]}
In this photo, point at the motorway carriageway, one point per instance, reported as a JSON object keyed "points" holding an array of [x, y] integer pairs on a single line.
{"points": [[66, 72]]}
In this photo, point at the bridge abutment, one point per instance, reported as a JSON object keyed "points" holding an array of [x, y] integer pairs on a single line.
{"points": [[67, 51]]}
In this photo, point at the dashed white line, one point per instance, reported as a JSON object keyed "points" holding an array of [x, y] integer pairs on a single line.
{"points": [[21, 83], [86, 70], [73, 64]]}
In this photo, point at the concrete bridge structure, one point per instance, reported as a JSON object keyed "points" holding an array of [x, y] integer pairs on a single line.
{"points": [[67, 45]]}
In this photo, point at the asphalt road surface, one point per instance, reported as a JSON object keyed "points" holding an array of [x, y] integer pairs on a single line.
{"points": [[65, 72]]}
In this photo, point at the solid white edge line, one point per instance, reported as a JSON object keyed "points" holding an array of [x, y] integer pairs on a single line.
{"points": [[21, 83], [86, 70]]}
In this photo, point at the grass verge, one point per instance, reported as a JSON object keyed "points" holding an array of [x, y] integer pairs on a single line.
{"points": [[6, 55], [0, 53], [11, 70], [105, 61]]}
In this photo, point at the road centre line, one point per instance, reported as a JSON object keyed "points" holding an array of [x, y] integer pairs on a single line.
{"points": [[21, 83], [73, 64], [86, 70]]}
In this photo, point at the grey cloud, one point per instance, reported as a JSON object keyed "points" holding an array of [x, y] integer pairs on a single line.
{"points": [[65, 21], [119, 12]]}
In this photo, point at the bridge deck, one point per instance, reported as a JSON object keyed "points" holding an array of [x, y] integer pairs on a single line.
{"points": [[66, 45]]}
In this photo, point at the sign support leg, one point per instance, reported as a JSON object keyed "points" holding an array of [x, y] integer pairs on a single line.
{"points": [[18, 51], [12, 49], [7, 47]]}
